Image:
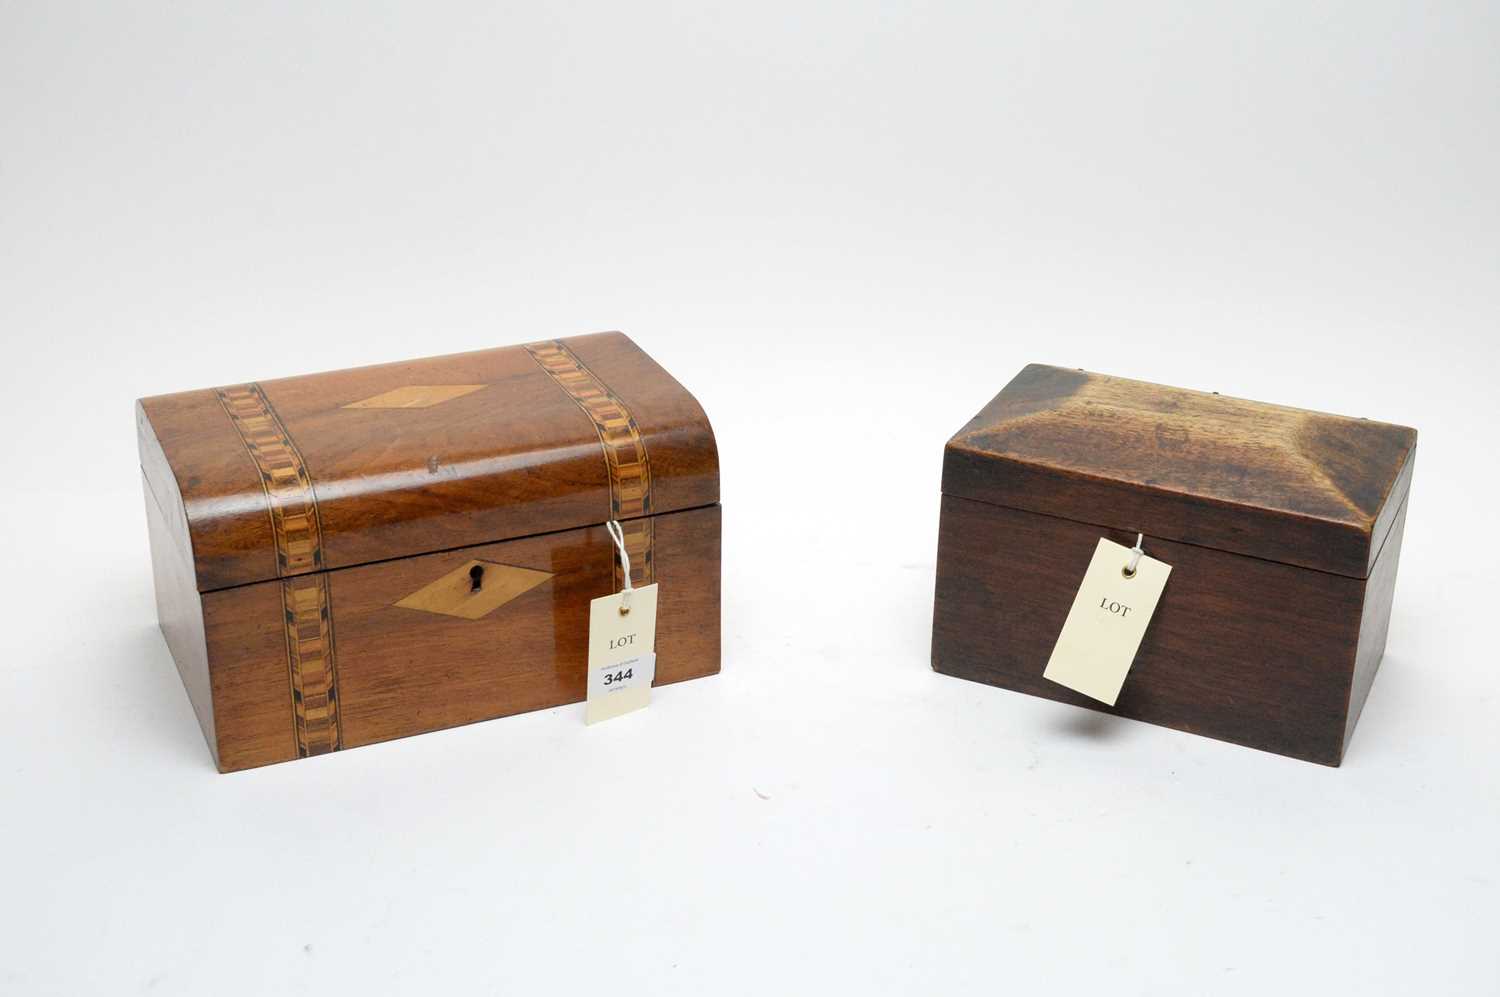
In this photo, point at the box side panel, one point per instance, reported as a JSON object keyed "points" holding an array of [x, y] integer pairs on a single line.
{"points": [[688, 607], [203, 475], [1375, 621], [180, 612], [416, 651], [1242, 650], [248, 662], [1395, 505]]}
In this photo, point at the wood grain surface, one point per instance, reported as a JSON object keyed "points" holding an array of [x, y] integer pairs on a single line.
{"points": [[1240, 649], [179, 610], [356, 556], [515, 457], [404, 670], [1283, 529], [1273, 482]]}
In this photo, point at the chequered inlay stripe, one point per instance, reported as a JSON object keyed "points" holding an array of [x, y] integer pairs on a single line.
{"points": [[298, 535], [624, 454], [283, 475], [309, 643]]}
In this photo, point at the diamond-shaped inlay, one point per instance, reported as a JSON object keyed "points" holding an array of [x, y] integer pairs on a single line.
{"points": [[470, 594], [416, 396]]}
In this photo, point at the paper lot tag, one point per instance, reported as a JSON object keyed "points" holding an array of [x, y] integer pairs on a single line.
{"points": [[622, 654], [1105, 626]]}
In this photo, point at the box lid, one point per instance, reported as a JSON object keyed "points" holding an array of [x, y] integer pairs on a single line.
{"points": [[284, 477], [1283, 484]]}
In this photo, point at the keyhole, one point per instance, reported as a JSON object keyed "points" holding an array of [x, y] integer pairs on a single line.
{"points": [[476, 577]]}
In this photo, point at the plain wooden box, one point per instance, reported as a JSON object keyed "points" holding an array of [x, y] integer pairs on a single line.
{"points": [[1283, 528], [316, 540]]}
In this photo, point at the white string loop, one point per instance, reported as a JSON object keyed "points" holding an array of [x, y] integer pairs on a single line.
{"points": [[617, 534], [1136, 553]]}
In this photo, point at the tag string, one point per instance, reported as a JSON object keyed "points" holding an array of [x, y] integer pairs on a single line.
{"points": [[617, 534], [1136, 554]]}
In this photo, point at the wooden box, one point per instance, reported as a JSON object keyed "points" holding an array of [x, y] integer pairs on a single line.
{"points": [[1283, 529], [350, 557]]}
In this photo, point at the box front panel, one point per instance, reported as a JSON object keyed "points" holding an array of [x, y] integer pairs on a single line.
{"points": [[1241, 649], [381, 651]]}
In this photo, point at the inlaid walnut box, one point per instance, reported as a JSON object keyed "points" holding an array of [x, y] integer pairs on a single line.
{"points": [[350, 557], [1283, 529]]}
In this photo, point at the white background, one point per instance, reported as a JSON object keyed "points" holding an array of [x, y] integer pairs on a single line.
{"points": [[844, 227]]}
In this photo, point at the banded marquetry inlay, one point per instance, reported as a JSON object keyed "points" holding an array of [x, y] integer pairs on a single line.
{"points": [[298, 535], [310, 657], [624, 453], [283, 476]]}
